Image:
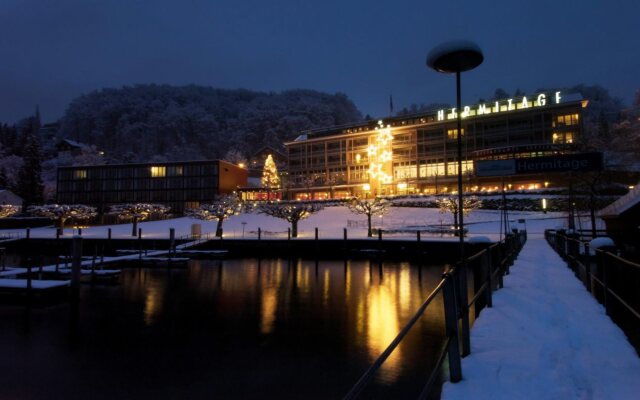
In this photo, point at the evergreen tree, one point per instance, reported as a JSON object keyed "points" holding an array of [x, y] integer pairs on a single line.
{"points": [[270, 178], [29, 185]]}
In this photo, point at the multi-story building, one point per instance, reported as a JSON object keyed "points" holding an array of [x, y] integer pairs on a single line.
{"points": [[418, 153], [179, 185]]}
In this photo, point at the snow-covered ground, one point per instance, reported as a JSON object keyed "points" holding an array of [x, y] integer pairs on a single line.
{"points": [[546, 338], [330, 221]]}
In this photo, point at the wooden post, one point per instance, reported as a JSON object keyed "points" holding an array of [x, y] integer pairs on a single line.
{"points": [[344, 234], [109, 233], [451, 326], [172, 241], [259, 233], [605, 280], [288, 233], [587, 266], [3, 256], [75, 266], [316, 233], [418, 235], [80, 231], [139, 233], [379, 234], [140, 243], [28, 233], [463, 301], [486, 261]]}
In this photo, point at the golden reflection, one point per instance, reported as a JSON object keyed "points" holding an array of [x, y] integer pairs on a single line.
{"points": [[405, 288], [152, 304], [382, 328], [325, 287], [268, 308]]}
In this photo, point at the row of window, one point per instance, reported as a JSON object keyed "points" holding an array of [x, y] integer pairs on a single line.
{"points": [[158, 171]]}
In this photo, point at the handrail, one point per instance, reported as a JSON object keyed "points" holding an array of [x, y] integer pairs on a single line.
{"points": [[561, 244], [368, 375], [451, 285]]}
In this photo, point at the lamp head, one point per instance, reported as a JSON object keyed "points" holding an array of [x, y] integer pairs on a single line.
{"points": [[457, 56]]}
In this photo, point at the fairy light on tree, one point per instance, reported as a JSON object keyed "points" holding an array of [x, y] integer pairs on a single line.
{"points": [[218, 210], [270, 178], [380, 155], [60, 213]]}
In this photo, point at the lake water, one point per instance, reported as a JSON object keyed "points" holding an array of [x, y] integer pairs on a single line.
{"points": [[250, 329]]}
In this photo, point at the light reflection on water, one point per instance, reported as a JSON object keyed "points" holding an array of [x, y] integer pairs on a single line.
{"points": [[243, 328]]}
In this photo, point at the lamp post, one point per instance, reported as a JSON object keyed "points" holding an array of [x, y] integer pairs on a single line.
{"points": [[448, 58], [457, 57]]}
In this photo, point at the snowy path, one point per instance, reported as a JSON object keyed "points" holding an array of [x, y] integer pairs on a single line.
{"points": [[546, 338]]}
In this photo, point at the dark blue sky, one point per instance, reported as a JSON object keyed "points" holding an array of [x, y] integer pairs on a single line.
{"points": [[53, 51]]}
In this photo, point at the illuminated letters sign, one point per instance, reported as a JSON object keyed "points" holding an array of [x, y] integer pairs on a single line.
{"points": [[500, 106]]}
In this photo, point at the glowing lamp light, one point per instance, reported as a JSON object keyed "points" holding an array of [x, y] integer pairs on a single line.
{"points": [[544, 205], [241, 165], [366, 187], [402, 186]]}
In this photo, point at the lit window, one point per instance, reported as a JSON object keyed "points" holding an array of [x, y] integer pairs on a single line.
{"points": [[453, 133], [80, 174], [158, 172]]}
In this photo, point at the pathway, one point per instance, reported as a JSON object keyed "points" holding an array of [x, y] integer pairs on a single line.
{"points": [[546, 338]]}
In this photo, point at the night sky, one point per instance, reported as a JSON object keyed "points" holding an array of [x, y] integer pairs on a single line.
{"points": [[53, 51]]}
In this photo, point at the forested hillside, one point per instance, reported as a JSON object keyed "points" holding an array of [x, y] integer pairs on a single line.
{"points": [[157, 123]]}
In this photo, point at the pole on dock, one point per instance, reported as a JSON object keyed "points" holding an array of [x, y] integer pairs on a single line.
{"points": [[316, 233], [259, 233], [3, 258], [288, 233], [172, 241], [418, 235], [75, 267], [28, 233], [451, 325], [109, 233]]}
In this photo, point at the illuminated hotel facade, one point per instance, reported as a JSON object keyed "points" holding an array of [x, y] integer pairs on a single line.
{"points": [[418, 153]]}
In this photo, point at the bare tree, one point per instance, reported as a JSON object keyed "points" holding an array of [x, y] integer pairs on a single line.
{"points": [[370, 208], [290, 212], [63, 212], [449, 204], [220, 209], [7, 210], [137, 212]]}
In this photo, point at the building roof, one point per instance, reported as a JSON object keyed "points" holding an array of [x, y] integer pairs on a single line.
{"points": [[430, 116], [622, 205]]}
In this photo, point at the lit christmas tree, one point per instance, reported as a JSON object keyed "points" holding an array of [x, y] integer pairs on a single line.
{"points": [[270, 178]]}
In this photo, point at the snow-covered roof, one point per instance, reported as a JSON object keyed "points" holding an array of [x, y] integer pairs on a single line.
{"points": [[623, 204], [301, 138], [73, 143]]}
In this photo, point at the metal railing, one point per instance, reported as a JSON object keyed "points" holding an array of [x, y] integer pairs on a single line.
{"points": [[488, 266], [611, 279]]}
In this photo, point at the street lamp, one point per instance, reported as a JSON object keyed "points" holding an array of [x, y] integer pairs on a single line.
{"points": [[448, 58]]}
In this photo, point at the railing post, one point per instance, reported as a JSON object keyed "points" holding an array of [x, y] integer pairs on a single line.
{"points": [[486, 261], [316, 233], [109, 234], [587, 266], [463, 298], [172, 241], [451, 327], [605, 280], [288, 233], [379, 234], [418, 235], [259, 233]]}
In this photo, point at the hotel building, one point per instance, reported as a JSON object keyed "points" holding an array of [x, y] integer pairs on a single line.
{"points": [[418, 153], [179, 185]]}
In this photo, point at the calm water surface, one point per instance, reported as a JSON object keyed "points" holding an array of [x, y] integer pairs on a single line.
{"points": [[227, 329]]}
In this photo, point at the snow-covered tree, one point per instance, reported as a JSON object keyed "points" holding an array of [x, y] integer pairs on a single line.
{"points": [[29, 183], [270, 178], [137, 212], [63, 212], [220, 209], [449, 204], [292, 212], [370, 208], [7, 210]]}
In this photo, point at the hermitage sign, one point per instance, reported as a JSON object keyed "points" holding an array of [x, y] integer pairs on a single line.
{"points": [[500, 106], [570, 162]]}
